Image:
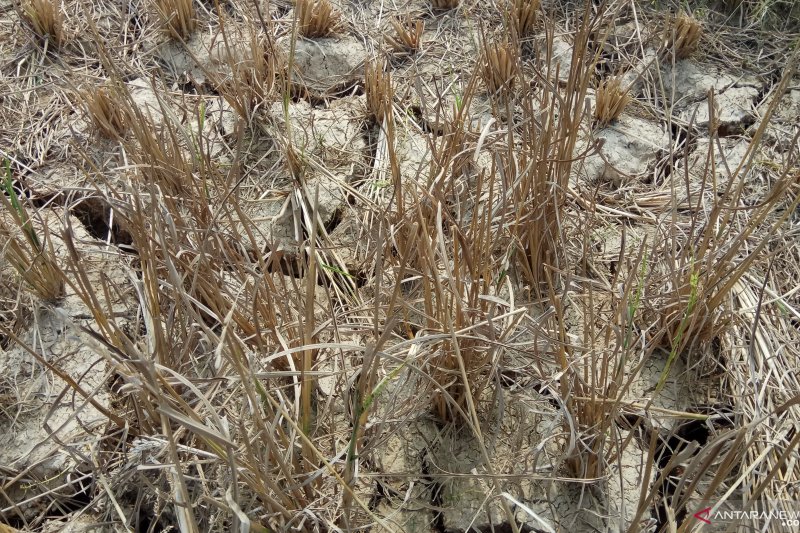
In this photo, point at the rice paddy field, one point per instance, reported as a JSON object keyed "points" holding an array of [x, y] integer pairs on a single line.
{"points": [[435, 266]]}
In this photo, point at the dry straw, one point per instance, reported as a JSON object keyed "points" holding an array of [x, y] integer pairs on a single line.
{"points": [[471, 279], [316, 18], [407, 36], [444, 4], [31, 256], [177, 16], [105, 112], [254, 76], [45, 20], [378, 89], [499, 69], [684, 35], [524, 15], [610, 101]]}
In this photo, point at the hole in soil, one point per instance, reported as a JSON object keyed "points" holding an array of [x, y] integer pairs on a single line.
{"points": [[695, 430], [227, 7], [509, 377], [75, 495], [361, 278], [629, 421], [772, 81], [691, 430], [415, 112], [737, 128], [300, 92], [24, 192], [679, 133], [682, 144], [21, 192], [328, 276], [187, 86], [335, 220], [352, 88], [136, 24], [95, 215], [607, 65], [82, 496], [281, 10], [370, 134], [287, 263], [145, 521], [545, 391], [665, 450], [437, 518]]}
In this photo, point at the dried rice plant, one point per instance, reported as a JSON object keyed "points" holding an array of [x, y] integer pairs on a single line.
{"points": [[177, 16], [408, 35], [378, 89], [499, 67], [106, 113], [31, 256], [254, 76], [45, 20], [316, 18], [524, 15], [610, 101], [684, 35], [444, 4]]}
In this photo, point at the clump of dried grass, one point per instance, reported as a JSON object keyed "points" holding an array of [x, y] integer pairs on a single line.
{"points": [[45, 19], [700, 276], [254, 77], [105, 112], [178, 17], [499, 66], [378, 89], [209, 311], [165, 154], [316, 18], [31, 256], [407, 36], [524, 14], [35, 262], [610, 101], [444, 4], [684, 35]]}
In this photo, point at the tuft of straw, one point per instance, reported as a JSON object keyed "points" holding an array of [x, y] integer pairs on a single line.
{"points": [[610, 102], [407, 36], [499, 68], [524, 14], [684, 35], [30, 254], [177, 16], [105, 112], [316, 18], [45, 19], [253, 77], [378, 89]]}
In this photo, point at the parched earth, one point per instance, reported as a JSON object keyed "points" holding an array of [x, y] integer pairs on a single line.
{"points": [[74, 452]]}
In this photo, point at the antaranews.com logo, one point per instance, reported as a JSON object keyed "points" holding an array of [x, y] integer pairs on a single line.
{"points": [[774, 515]]}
